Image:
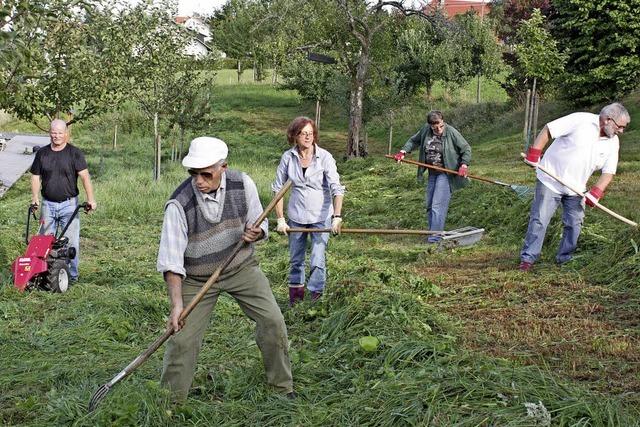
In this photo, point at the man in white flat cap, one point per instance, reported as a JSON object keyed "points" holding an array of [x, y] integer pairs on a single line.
{"points": [[203, 220]]}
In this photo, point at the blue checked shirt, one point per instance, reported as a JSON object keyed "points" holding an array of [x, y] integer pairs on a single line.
{"points": [[312, 194], [173, 240]]}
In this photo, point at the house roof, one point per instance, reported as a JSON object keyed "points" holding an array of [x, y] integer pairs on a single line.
{"points": [[455, 7]]}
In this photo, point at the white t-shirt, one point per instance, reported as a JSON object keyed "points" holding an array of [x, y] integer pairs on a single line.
{"points": [[577, 152]]}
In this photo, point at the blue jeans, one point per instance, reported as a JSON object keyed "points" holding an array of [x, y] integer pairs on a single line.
{"points": [[545, 203], [437, 202], [297, 250], [56, 215]]}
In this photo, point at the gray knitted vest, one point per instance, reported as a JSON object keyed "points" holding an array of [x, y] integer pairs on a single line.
{"points": [[210, 243]]}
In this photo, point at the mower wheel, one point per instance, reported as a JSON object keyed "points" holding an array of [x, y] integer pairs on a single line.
{"points": [[58, 276]]}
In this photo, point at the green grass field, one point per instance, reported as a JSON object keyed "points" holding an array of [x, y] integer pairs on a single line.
{"points": [[465, 339]]}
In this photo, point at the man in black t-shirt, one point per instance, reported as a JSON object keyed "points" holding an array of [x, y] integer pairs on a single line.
{"points": [[56, 169]]}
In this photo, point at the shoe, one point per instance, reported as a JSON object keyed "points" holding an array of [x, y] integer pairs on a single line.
{"points": [[525, 266], [315, 296], [291, 395], [296, 294]]}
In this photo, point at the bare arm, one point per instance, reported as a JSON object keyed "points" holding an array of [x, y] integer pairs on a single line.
{"points": [[35, 189], [337, 204], [88, 188], [174, 289], [280, 208], [542, 139], [604, 180]]}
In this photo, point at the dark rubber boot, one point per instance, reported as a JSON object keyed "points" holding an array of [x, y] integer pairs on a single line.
{"points": [[296, 294]]}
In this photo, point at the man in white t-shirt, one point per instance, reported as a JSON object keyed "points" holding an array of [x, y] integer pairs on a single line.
{"points": [[583, 143]]}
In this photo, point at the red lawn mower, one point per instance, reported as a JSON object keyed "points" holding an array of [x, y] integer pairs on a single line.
{"points": [[45, 263]]}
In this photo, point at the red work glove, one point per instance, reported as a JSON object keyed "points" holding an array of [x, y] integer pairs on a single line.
{"points": [[533, 157], [592, 197], [463, 170], [399, 155]]}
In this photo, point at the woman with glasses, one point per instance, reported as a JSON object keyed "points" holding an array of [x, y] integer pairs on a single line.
{"points": [[315, 202]]}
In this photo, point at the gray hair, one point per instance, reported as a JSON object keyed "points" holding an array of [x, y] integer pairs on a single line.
{"points": [[58, 122], [434, 116], [220, 163], [615, 111]]}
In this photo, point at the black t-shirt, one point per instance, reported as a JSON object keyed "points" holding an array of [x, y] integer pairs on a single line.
{"points": [[433, 151], [58, 171]]}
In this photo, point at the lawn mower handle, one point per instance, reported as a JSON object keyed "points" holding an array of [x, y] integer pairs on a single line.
{"points": [[33, 207], [85, 206]]}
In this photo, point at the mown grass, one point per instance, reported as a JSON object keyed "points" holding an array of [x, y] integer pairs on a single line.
{"points": [[464, 338]]}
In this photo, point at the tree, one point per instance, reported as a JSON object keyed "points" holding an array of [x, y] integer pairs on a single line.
{"points": [[189, 106], [233, 30], [539, 61], [480, 44], [157, 67], [603, 41], [536, 50], [363, 21], [70, 61], [507, 15]]}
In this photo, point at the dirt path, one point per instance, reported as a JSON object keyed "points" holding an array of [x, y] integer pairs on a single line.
{"points": [[550, 318]]}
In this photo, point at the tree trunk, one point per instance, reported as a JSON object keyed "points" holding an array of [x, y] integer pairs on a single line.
{"points": [[478, 91], [390, 139], [239, 70], [317, 120], [181, 142], [356, 104], [115, 137], [526, 121], [156, 146]]}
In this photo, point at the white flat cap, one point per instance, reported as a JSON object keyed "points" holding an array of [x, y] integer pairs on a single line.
{"points": [[205, 151]]}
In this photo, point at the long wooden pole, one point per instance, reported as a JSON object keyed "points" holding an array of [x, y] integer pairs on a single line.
{"points": [[370, 231], [575, 190], [438, 168]]}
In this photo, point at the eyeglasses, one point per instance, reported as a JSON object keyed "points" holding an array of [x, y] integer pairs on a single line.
{"points": [[306, 133], [617, 125], [205, 175]]}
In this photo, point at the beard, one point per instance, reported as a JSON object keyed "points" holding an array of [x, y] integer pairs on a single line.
{"points": [[609, 130]]}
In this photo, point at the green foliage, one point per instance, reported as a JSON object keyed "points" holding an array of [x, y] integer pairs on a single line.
{"points": [[67, 59], [603, 42], [508, 15], [314, 81], [450, 52], [536, 50], [479, 45]]}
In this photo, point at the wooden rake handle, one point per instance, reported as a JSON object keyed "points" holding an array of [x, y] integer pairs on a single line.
{"points": [[368, 231], [438, 168], [575, 190]]}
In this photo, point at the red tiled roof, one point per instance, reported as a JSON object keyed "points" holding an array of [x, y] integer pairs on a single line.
{"points": [[455, 7]]}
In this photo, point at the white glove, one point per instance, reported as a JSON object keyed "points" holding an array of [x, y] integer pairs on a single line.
{"points": [[282, 226], [336, 225]]}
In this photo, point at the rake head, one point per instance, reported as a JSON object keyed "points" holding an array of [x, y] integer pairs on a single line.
{"points": [[98, 396], [522, 191]]}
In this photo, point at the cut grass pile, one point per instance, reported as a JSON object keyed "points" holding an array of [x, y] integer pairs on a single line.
{"points": [[464, 339]]}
